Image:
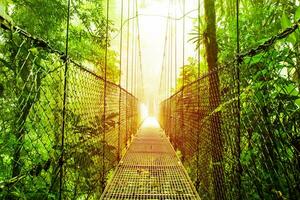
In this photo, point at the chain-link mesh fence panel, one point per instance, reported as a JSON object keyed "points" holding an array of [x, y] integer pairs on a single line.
{"points": [[31, 95], [242, 145], [31, 103]]}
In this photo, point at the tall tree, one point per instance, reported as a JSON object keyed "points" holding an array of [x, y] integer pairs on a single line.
{"points": [[211, 47]]}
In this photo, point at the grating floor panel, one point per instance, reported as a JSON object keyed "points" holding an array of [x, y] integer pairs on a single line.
{"points": [[146, 159], [150, 170]]}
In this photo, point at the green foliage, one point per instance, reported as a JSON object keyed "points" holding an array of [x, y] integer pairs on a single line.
{"points": [[84, 150], [31, 93], [190, 72], [270, 111], [297, 14]]}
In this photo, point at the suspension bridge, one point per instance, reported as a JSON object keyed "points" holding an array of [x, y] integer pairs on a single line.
{"points": [[229, 133]]}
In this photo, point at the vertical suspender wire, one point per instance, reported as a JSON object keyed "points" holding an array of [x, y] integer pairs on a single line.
{"points": [[132, 70], [135, 66], [139, 48], [136, 52], [120, 82], [183, 80], [198, 100], [135, 61], [132, 52], [135, 72], [168, 72], [171, 71], [175, 63], [173, 67], [161, 94], [239, 167], [104, 96], [139, 67], [162, 114], [135, 86], [127, 66], [162, 77], [169, 66], [166, 80], [61, 163]]}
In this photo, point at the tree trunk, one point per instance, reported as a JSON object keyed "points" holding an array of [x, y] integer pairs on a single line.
{"points": [[214, 99], [22, 114]]}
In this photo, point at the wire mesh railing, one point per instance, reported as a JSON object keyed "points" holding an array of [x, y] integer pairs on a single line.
{"points": [[31, 106], [249, 151]]}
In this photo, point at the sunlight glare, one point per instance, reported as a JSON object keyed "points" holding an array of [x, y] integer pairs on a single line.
{"points": [[151, 122], [144, 111]]}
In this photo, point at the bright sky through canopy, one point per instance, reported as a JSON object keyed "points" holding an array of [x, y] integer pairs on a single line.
{"points": [[152, 24]]}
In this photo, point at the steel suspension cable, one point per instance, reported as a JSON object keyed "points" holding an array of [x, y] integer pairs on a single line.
{"points": [[198, 97], [131, 71], [135, 55], [168, 65], [162, 84], [172, 64], [127, 66], [120, 82], [139, 46], [104, 95], [162, 76], [136, 70], [172, 43], [175, 71], [183, 77], [174, 46], [61, 162], [238, 145], [167, 80], [132, 52]]}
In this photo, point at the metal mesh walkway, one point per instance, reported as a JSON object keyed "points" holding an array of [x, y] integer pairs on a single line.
{"points": [[150, 169]]}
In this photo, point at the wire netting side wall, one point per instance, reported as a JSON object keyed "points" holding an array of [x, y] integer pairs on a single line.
{"points": [[191, 134], [30, 121], [84, 135], [264, 144], [31, 96], [269, 120], [85, 144]]}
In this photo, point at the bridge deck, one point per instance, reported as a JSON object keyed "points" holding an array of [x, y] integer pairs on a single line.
{"points": [[150, 169]]}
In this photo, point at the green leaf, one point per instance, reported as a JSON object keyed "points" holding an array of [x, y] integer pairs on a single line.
{"points": [[253, 60], [34, 51], [291, 90], [285, 21], [297, 102], [297, 14]]}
